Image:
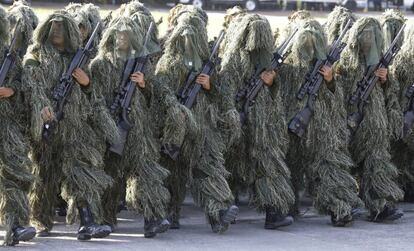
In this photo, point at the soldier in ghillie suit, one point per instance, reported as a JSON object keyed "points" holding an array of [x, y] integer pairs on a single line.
{"points": [[71, 159], [255, 154], [336, 21], [20, 12], [370, 144], [391, 22], [15, 176], [138, 164], [192, 147], [321, 153], [403, 149]]}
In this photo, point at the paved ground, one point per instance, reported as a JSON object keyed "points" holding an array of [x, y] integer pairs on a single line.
{"points": [[310, 232]]}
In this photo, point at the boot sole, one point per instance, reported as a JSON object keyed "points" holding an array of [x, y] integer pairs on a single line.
{"points": [[26, 236], [286, 222], [101, 234], [150, 235], [393, 217], [42, 234], [84, 237], [162, 228], [231, 215]]}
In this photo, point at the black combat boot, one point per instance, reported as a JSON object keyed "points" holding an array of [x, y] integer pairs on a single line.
{"points": [[275, 219], [387, 214], [154, 227], [171, 150], [22, 233], [88, 228], [226, 217]]}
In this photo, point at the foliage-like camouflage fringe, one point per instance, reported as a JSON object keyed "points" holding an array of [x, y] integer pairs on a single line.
{"points": [[15, 176], [402, 151], [195, 131], [22, 12], [146, 193], [74, 148], [391, 22], [87, 16], [321, 154], [370, 145], [336, 21], [256, 157]]}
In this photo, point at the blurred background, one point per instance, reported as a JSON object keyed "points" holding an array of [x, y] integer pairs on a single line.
{"points": [[263, 5]]}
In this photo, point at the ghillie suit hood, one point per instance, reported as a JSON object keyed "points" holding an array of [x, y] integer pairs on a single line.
{"points": [[336, 22], [21, 12], [364, 28], [139, 163], [403, 150], [176, 12], [195, 130], [294, 21], [248, 49], [143, 18], [15, 165], [108, 47], [321, 154], [391, 22], [231, 14], [87, 16], [77, 138], [370, 145], [42, 34]]}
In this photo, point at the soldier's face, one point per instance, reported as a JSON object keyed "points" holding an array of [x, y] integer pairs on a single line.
{"points": [[84, 32], [122, 40], [57, 33], [365, 42], [308, 52]]}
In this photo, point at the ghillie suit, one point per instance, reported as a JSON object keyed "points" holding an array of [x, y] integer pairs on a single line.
{"points": [[370, 144], [87, 17], [72, 158], [321, 153], [15, 176], [191, 133], [402, 150], [138, 165], [391, 22], [23, 13], [336, 22], [254, 153]]}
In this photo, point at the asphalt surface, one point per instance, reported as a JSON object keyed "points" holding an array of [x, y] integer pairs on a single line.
{"points": [[310, 232]]}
